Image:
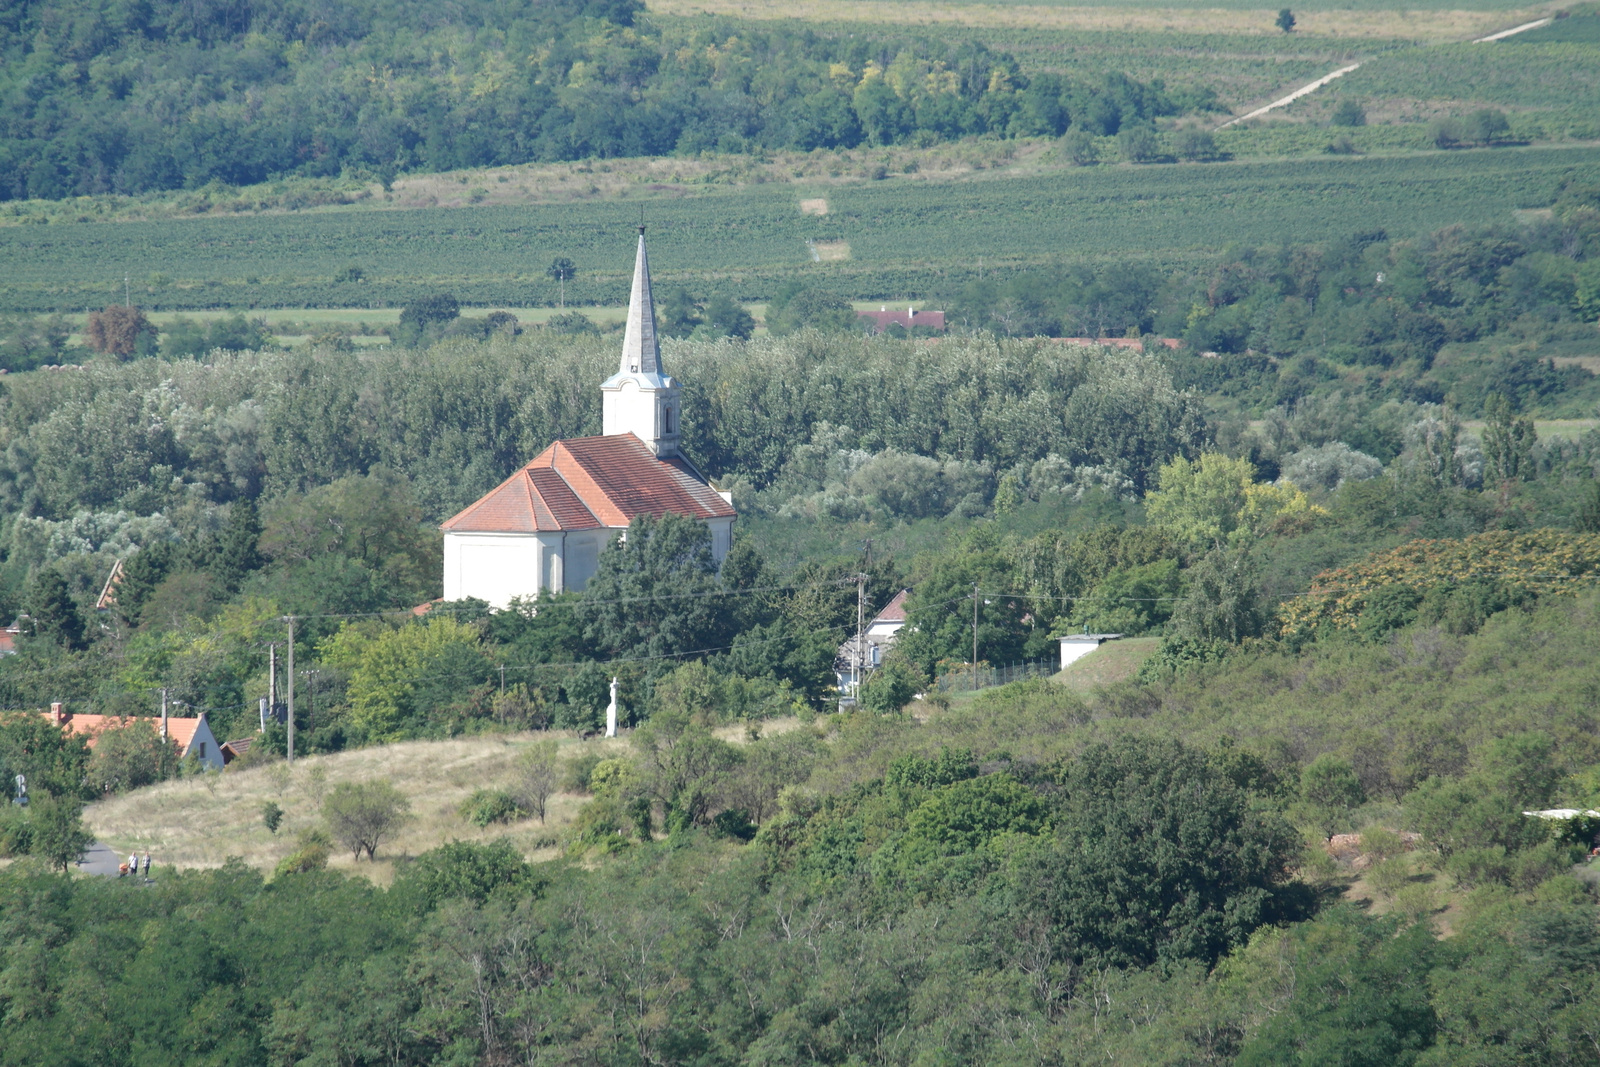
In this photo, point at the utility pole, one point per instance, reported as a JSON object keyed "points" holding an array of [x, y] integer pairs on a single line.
{"points": [[861, 649], [974, 636], [272, 678], [502, 679], [163, 713], [291, 690]]}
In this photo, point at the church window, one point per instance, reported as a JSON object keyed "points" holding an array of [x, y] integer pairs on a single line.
{"points": [[666, 419]]}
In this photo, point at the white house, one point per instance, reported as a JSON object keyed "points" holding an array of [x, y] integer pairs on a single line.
{"points": [[857, 660], [543, 527]]}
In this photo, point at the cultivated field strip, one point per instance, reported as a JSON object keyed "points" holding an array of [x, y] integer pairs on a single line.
{"points": [[902, 235]]}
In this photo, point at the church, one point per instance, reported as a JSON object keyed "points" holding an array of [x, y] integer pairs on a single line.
{"points": [[542, 529]]}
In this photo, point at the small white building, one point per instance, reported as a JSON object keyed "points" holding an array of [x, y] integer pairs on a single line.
{"points": [[1076, 646], [856, 659], [543, 527]]}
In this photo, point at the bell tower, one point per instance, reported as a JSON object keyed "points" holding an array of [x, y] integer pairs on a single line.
{"points": [[640, 399]]}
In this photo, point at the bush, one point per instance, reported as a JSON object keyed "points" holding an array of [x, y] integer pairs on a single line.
{"points": [[488, 806], [311, 854], [271, 816], [16, 833]]}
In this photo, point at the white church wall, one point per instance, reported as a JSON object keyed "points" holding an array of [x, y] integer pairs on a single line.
{"points": [[496, 567], [721, 537]]}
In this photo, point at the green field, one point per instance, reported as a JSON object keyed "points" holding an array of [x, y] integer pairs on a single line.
{"points": [[904, 237]]}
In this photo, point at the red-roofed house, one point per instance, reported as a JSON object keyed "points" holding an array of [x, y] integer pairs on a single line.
{"points": [[543, 527], [867, 656], [193, 735], [883, 318]]}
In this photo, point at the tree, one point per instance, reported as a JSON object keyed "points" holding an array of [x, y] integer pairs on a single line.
{"points": [[1197, 145], [1348, 113], [1159, 856], [891, 686], [1138, 144], [655, 592], [797, 307], [1080, 148], [271, 816], [1286, 21], [726, 317], [1507, 443], [1222, 603], [238, 551], [1487, 125], [537, 776], [53, 610], [59, 836], [120, 331], [1330, 790], [426, 311], [131, 756], [361, 814], [563, 270]]}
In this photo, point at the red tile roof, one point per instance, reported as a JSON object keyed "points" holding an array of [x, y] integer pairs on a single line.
{"points": [[895, 610], [589, 482], [180, 730], [908, 318]]}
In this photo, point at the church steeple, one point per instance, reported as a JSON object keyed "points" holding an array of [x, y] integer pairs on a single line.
{"points": [[639, 399], [641, 353]]}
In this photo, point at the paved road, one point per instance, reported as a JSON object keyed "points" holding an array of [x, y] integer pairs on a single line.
{"points": [[100, 859]]}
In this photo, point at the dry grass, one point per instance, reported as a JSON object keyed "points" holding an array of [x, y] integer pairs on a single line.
{"points": [[829, 251], [200, 823], [1566, 429], [1114, 661], [817, 206], [1370, 24]]}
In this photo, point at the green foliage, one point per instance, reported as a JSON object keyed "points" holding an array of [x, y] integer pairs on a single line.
{"points": [[891, 686], [56, 831], [53, 611], [488, 806], [360, 815], [465, 870], [1285, 21], [271, 816], [1330, 791], [310, 854], [917, 772], [1130, 600], [555, 84], [405, 681], [655, 592], [52, 760], [1348, 112], [130, 757], [796, 307]]}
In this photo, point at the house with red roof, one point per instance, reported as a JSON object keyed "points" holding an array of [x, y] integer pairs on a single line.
{"points": [[883, 318], [860, 656], [192, 734], [542, 529]]}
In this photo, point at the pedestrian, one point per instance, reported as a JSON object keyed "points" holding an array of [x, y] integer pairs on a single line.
{"points": [[147, 863], [133, 864]]}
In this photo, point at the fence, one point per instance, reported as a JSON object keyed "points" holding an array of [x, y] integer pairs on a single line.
{"points": [[986, 677]]}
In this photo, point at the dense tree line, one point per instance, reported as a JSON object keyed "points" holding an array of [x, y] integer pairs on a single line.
{"points": [[1285, 320], [126, 97]]}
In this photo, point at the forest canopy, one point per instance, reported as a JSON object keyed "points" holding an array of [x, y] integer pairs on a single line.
{"points": [[126, 98]]}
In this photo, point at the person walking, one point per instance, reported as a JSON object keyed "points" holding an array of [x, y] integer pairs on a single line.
{"points": [[147, 863], [133, 864]]}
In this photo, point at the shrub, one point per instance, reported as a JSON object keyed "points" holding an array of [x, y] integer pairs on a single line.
{"points": [[310, 855], [488, 806], [271, 816]]}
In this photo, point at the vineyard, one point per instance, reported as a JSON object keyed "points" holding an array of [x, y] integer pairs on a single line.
{"points": [[906, 237]]}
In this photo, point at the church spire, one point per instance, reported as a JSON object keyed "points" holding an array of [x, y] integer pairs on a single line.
{"points": [[641, 352], [639, 399]]}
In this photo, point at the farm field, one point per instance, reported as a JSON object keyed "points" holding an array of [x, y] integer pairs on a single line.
{"points": [[905, 238]]}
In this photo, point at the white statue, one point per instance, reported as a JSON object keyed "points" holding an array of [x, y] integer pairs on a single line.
{"points": [[611, 711]]}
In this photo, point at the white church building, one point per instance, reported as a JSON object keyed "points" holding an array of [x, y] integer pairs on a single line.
{"points": [[543, 527]]}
